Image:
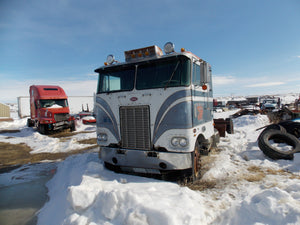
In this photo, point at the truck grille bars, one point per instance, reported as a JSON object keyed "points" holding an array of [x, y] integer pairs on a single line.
{"points": [[135, 127], [61, 117]]}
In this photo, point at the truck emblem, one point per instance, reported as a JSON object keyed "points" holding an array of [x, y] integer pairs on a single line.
{"points": [[133, 99]]}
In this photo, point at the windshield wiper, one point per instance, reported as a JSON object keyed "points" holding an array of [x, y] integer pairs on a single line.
{"points": [[172, 75]]}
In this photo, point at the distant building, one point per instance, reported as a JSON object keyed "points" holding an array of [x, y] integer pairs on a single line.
{"points": [[4, 112], [252, 100]]}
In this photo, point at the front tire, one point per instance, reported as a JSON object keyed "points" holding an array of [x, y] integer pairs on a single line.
{"points": [[72, 127], [43, 128], [194, 173]]}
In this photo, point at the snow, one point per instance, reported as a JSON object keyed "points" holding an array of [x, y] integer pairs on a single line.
{"points": [[42, 143], [248, 187], [54, 106]]}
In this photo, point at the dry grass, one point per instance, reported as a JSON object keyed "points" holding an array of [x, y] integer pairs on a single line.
{"points": [[18, 154], [256, 174], [201, 185], [91, 141], [67, 133]]}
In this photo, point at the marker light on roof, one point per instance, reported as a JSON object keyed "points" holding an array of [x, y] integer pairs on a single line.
{"points": [[142, 53], [110, 59], [169, 47]]}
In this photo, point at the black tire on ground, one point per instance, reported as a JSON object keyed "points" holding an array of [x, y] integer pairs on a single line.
{"points": [[275, 127], [273, 152], [291, 127]]}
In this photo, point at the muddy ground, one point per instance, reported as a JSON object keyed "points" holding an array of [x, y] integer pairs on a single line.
{"points": [[19, 154]]}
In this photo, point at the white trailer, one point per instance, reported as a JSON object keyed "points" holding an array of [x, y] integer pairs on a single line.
{"points": [[154, 112]]}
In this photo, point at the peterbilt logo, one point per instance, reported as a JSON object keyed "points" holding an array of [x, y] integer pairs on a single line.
{"points": [[133, 99]]}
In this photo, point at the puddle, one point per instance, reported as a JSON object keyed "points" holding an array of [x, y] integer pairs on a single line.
{"points": [[23, 193]]}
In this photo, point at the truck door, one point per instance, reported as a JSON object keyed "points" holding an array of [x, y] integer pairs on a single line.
{"points": [[201, 92]]}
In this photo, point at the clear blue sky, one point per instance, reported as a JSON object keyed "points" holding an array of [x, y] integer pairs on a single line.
{"points": [[252, 45]]}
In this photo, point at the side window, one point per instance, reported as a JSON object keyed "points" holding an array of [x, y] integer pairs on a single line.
{"points": [[37, 104], [105, 84], [110, 83], [196, 74], [114, 83]]}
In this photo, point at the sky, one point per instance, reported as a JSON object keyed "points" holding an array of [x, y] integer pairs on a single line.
{"points": [[253, 46]]}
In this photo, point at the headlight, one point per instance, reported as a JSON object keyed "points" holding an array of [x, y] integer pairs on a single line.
{"points": [[179, 142], [110, 59], [175, 141], [102, 137], [183, 142]]}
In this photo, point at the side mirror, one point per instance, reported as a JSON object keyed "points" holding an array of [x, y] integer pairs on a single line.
{"points": [[203, 72]]}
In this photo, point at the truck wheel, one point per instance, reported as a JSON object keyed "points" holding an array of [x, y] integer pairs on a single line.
{"points": [[43, 128], [72, 127], [30, 123], [196, 163]]}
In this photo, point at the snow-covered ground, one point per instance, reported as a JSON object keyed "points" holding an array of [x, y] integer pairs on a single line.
{"points": [[42, 143], [245, 186]]}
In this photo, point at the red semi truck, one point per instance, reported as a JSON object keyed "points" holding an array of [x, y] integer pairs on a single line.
{"points": [[49, 109]]}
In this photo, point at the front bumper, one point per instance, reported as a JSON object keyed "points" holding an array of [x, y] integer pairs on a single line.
{"points": [[146, 161]]}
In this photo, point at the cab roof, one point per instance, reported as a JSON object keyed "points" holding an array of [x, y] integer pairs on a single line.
{"points": [[48, 91]]}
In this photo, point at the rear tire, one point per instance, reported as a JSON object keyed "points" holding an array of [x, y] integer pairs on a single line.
{"points": [[30, 123]]}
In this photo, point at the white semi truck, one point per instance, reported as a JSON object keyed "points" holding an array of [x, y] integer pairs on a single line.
{"points": [[155, 111]]}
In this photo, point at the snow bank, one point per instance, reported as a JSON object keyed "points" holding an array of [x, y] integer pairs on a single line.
{"points": [[103, 197], [272, 206]]}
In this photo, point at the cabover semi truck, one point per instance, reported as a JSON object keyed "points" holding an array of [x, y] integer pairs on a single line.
{"points": [[49, 109], [155, 111]]}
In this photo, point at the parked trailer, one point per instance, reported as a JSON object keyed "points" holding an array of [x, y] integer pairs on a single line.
{"points": [[155, 111]]}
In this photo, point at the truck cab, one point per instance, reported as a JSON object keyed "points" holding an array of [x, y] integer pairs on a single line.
{"points": [[49, 109], [154, 112]]}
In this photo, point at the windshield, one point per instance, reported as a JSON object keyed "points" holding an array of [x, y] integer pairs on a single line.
{"points": [[270, 101], [160, 73], [116, 79], [53, 103]]}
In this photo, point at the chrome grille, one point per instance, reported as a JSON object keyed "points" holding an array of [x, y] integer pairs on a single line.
{"points": [[135, 127], [61, 117]]}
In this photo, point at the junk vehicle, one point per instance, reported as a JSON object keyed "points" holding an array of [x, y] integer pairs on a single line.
{"points": [[49, 109], [154, 111], [269, 104], [86, 116]]}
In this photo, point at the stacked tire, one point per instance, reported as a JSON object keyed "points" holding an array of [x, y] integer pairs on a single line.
{"points": [[287, 133]]}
